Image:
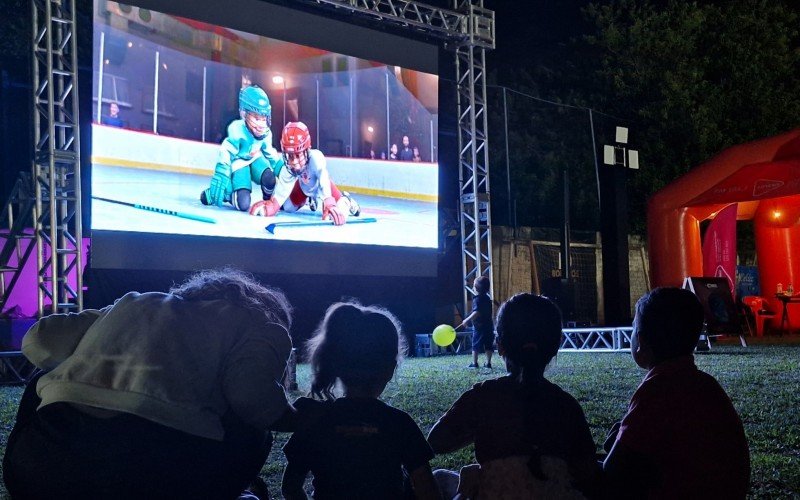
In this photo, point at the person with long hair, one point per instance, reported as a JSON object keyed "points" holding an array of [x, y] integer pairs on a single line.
{"points": [[356, 446], [531, 437], [167, 395]]}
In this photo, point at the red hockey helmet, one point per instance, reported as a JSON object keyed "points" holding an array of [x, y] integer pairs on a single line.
{"points": [[295, 138], [295, 143]]}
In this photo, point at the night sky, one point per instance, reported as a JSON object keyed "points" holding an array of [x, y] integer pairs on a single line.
{"points": [[529, 30], [529, 27]]}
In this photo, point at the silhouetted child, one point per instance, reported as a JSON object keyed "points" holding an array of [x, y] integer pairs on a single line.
{"points": [[356, 446], [482, 322], [531, 437], [681, 437]]}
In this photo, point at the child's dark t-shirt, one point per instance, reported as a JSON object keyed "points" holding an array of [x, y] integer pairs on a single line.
{"points": [[357, 448], [505, 419], [483, 323]]}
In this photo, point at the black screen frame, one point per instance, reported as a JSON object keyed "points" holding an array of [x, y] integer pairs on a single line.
{"points": [[153, 251]]}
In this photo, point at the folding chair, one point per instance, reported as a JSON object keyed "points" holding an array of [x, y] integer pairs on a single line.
{"points": [[759, 312]]}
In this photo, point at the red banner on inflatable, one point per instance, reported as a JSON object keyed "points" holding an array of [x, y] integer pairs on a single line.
{"points": [[757, 181], [719, 246]]}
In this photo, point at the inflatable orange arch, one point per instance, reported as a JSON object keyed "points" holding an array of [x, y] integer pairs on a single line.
{"points": [[763, 178]]}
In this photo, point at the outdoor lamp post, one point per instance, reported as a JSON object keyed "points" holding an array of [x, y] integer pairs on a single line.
{"points": [[618, 154], [280, 80], [614, 228]]}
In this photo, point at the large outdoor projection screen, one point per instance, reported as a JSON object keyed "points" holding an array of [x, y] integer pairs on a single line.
{"points": [[174, 71]]}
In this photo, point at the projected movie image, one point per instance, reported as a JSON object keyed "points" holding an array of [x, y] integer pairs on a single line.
{"points": [[204, 130]]}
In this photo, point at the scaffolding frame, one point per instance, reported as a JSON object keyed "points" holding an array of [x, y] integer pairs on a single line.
{"points": [[56, 159], [18, 238], [473, 148]]}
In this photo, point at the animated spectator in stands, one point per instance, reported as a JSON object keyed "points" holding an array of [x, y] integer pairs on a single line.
{"points": [[113, 118], [246, 155], [305, 178], [406, 154]]}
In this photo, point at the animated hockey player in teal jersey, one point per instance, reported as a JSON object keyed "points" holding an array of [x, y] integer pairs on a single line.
{"points": [[246, 155]]}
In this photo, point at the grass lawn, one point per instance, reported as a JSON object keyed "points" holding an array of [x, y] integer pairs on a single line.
{"points": [[763, 382]]}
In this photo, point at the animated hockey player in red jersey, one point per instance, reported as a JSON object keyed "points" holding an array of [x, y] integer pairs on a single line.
{"points": [[304, 177]]}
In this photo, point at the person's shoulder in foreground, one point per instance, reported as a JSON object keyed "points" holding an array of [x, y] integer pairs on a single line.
{"points": [[681, 436]]}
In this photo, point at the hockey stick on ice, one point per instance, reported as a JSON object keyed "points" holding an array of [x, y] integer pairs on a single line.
{"points": [[164, 211], [275, 225]]}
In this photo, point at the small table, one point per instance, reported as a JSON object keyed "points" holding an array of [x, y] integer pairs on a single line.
{"points": [[786, 300]]}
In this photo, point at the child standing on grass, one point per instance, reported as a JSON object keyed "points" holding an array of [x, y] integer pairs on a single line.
{"points": [[531, 438], [356, 446], [681, 437], [482, 323]]}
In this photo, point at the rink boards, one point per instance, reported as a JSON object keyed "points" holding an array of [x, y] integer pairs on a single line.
{"points": [[169, 174]]}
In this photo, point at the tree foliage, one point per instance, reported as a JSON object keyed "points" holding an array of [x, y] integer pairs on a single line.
{"points": [[545, 139], [688, 78], [15, 38], [695, 78]]}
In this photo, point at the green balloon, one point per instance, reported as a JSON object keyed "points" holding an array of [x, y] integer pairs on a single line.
{"points": [[444, 335]]}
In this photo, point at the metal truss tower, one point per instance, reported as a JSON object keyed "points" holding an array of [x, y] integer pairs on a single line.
{"points": [[473, 145], [469, 28], [56, 161]]}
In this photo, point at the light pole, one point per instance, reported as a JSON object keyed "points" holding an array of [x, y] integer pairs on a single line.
{"points": [[280, 80], [512, 221], [618, 154], [614, 228]]}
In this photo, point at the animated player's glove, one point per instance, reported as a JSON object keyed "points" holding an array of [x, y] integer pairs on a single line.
{"points": [[220, 181], [265, 208], [329, 208]]}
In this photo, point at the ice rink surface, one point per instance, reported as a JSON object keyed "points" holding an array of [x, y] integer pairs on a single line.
{"points": [[403, 223]]}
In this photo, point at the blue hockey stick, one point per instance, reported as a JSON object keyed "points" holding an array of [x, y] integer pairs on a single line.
{"points": [[164, 211], [275, 225]]}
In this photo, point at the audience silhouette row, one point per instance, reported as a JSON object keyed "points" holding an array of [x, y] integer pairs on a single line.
{"points": [[176, 395]]}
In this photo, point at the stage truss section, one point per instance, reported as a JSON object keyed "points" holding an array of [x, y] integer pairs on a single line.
{"points": [[596, 339], [19, 239], [469, 30], [473, 146], [56, 163], [15, 369]]}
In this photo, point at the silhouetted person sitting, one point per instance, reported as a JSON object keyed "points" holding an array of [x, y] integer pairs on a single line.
{"points": [[681, 437], [356, 446], [161, 395], [531, 437]]}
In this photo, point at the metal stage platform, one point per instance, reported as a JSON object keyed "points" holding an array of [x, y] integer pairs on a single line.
{"points": [[574, 339], [597, 339], [15, 368]]}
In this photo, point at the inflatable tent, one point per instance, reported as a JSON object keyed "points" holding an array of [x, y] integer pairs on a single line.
{"points": [[763, 179]]}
